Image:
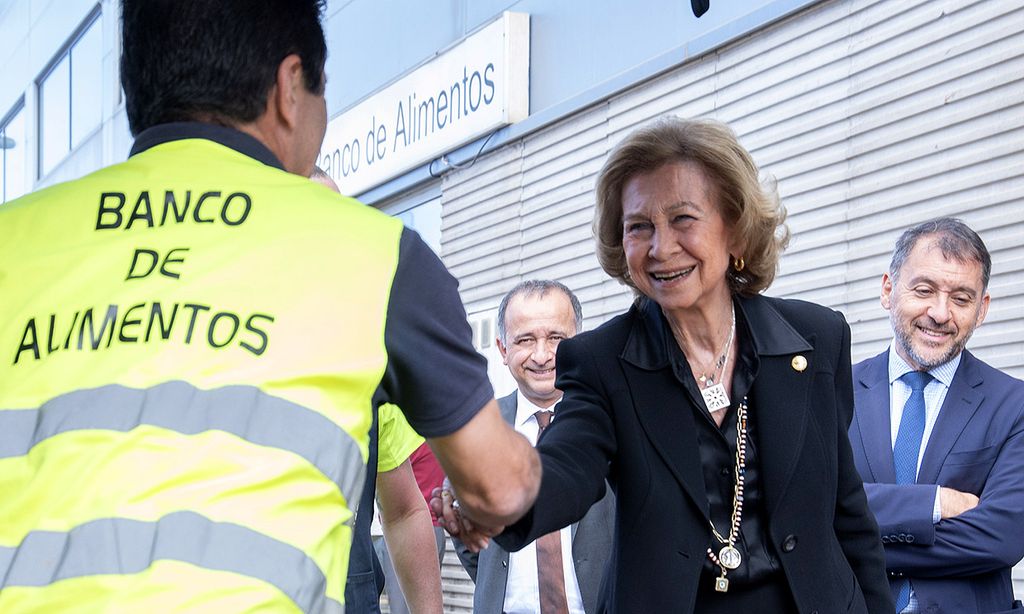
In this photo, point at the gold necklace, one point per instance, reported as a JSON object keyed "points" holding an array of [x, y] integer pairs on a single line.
{"points": [[729, 557]]}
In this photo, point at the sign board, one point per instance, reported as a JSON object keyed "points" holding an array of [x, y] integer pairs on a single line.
{"points": [[476, 86]]}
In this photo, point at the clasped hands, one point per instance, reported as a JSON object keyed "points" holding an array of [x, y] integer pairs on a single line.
{"points": [[445, 504]]}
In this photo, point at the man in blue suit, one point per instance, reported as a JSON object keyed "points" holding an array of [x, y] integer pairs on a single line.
{"points": [[938, 435]]}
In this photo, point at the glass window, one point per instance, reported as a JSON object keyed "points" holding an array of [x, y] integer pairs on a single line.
{"points": [[13, 156], [54, 117], [86, 75], [69, 96], [426, 220]]}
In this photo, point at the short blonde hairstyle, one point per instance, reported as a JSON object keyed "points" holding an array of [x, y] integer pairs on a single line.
{"points": [[750, 208]]}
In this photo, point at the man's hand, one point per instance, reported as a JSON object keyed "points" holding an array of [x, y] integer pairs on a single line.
{"points": [[496, 471], [953, 502], [446, 506]]}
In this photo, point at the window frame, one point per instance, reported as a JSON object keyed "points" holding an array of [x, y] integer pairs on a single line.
{"points": [[9, 117], [93, 17]]}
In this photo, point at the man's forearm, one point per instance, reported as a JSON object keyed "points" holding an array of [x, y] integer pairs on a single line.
{"points": [[409, 534], [903, 508], [413, 553]]}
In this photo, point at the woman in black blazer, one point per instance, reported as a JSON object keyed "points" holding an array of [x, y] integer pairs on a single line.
{"points": [[718, 415]]}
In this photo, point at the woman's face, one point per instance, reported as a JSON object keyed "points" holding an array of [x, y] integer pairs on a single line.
{"points": [[677, 245]]}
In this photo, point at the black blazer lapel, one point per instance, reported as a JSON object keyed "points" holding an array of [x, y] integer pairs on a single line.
{"points": [[658, 400], [668, 422], [779, 398], [871, 398], [962, 401], [778, 405]]}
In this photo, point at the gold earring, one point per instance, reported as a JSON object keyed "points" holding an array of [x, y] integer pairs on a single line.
{"points": [[738, 264]]}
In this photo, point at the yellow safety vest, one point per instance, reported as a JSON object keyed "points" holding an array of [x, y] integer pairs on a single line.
{"points": [[189, 344]]}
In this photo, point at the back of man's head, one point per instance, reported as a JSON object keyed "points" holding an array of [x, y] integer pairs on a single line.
{"points": [[213, 60]]}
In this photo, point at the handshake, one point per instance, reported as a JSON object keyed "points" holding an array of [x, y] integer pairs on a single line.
{"points": [[445, 506]]}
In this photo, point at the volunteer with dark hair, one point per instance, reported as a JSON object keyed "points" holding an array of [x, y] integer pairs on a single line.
{"points": [[193, 341]]}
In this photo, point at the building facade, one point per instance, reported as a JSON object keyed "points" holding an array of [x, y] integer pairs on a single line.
{"points": [[871, 115]]}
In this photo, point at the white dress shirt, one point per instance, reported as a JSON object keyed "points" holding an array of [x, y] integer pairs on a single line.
{"points": [[521, 593], [934, 395]]}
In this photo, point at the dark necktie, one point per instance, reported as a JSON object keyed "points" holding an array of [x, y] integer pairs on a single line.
{"points": [[907, 449], [550, 574]]}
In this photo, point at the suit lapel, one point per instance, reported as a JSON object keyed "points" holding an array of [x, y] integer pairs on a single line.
{"points": [[507, 406], [659, 403], [492, 578], [781, 426], [871, 398], [779, 397], [669, 424], [962, 401]]}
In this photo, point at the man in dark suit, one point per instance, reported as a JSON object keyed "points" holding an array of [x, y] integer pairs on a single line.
{"points": [[938, 435], [532, 319]]}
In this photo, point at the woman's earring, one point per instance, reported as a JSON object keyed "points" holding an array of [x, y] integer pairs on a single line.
{"points": [[738, 264]]}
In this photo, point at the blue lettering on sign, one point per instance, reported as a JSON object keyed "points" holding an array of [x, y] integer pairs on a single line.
{"points": [[416, 120]]}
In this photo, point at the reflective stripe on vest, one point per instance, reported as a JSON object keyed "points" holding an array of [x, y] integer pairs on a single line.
{"points": [[119, 546], [240, 410], [190, 342]]}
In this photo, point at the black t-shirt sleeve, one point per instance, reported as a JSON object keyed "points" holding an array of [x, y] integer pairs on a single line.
{"points": [[434, 374]]}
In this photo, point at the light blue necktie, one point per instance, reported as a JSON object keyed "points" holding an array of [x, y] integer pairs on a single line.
{"points": [[907, 449]]}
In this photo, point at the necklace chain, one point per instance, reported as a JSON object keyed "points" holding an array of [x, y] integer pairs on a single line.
{"points": [[719, 369], [729, 550], [714, 394]]}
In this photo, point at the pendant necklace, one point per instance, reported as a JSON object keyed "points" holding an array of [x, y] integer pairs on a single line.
{"points": [[729, 557], [713, 390]]}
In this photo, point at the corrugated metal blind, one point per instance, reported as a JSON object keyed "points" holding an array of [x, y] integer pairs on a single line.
{"points": [[457, 587], [871, 115]]}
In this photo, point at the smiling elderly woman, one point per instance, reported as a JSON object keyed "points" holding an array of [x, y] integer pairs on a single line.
{"points": [[717, 414]]}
